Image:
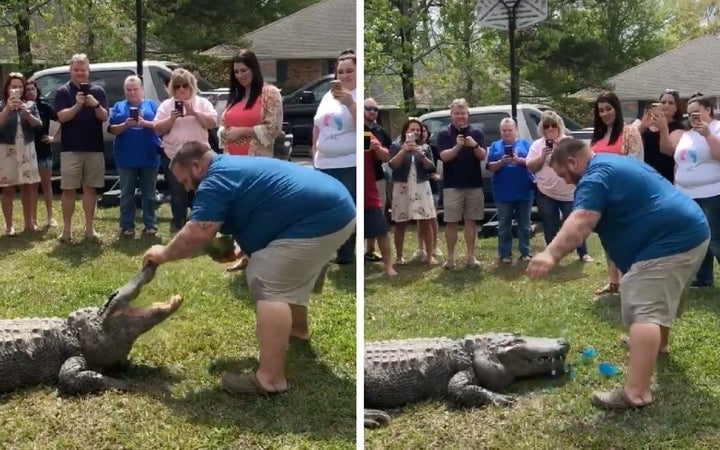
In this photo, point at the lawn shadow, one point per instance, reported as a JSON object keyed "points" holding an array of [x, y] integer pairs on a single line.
{"points": [[18, 243], [78, 251], [319, 405], [342, 276], [135, 247], [681, 411], [607, 309]]}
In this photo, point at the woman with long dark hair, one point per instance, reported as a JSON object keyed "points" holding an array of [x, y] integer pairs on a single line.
{"points": [[43, 139], [612, 135], [253, 117]]}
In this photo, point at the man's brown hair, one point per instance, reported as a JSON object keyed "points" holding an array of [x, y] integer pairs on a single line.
{"points": [[566, 148], [189, 152]]}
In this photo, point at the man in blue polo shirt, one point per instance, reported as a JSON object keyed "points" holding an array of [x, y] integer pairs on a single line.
{"points": [[656, 235], [289, 219], [462, 150], [81, 109]]}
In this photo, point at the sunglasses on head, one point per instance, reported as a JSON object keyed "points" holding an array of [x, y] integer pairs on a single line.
{"points": [[547, 126], [372, 109], [671, 91], [16, 75], [183, 85]]}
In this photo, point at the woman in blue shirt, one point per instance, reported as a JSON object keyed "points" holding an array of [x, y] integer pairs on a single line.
{"points": [[137, 155], [513, 189]]}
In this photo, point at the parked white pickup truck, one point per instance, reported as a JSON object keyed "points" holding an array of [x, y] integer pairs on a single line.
{"points": [[488, 118]]}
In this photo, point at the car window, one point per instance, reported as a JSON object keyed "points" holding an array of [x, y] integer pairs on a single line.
{"points": [[489, 124], [112, 81], [321, 89], [532, 118], [48, 84], [160, 79]]}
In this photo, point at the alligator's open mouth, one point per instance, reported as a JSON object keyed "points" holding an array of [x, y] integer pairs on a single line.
{"points": [[547, 359], [166, 308]]}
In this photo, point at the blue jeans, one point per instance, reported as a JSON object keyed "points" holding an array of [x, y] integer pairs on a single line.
{"points": [[347, 176], [129, 179], [550, 215], [179, 197], [711, 208], [506, 212]]}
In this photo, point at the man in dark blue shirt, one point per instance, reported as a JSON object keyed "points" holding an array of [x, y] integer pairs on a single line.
{"points": [[462, 150], [655, 234], [81, 110]]}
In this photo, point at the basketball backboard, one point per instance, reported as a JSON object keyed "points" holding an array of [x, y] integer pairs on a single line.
{"points": [[496, 13]]}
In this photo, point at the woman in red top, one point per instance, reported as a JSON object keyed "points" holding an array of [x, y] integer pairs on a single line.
{"points": [[612, 135], [253, 117]]}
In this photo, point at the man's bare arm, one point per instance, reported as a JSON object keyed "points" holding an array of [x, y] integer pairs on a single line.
{"points": [[191, 239], [577, 227]]}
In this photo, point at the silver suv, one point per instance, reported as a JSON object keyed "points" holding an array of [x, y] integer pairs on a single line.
{"points": [[111, 76]]}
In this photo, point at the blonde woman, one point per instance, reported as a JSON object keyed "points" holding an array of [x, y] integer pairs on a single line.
{"points": [[184, 117], [253, 118], [554, 197]]}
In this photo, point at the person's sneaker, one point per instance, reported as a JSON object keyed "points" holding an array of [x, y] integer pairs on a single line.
{"points": [[149, 231], [586, 258], [525, 258], [506, 260], [128, 233]]}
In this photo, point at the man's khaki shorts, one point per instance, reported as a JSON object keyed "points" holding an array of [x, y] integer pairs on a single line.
{"points": [[467, 204], [79, 169], [655, 291], [286, 270]]}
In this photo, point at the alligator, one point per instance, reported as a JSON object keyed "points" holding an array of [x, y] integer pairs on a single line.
{"points": [[467, 372], [72, 352]]}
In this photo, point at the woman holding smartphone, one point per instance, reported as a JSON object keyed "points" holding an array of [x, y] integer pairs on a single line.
{"points": [[412, 164], [697, 157], [18, 161]]}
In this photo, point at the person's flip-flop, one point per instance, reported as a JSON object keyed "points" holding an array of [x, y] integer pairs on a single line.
{"points": [[616, 400], [246, 384]]}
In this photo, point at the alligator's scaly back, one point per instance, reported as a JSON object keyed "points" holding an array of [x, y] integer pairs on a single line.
{"points": [[73, 351]]}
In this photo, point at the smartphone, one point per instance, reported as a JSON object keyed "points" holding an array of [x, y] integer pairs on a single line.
{"points": [[509, 150], [410, 137], [15, 93], [335, 84], [85, 88], [180, 107], [549, 143], [134, 113], [366, 139]]}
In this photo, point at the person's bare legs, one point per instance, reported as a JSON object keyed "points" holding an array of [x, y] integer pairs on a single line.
{"points": [[26, 199], [435, 230], [613, 272], [34, 201], [274, 323], [470, 236], [68, 209], [7, 208], [644, 343], [664, 337], [370, 246], [46, 185], [451, 237], [299, 328], [399, 236], [426, 237], [384, 246], [89, 201]]}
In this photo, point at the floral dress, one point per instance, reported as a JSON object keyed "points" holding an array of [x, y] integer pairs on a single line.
{"points": [[412, 200], [18, 162]]}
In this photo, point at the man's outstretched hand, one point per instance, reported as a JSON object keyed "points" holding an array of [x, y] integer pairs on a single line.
{"points": [[540, 265], [155, 254]]}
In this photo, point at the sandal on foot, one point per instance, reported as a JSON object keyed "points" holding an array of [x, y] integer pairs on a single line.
{"points": [[10, 231], [609, 289], [616, 400], [246, 384], [625, 342]]}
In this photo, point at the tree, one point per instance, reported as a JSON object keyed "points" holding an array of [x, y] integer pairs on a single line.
{"points": [[17, 14]]}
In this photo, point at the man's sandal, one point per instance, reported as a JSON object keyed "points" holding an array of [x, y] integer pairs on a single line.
{"points": [[246, 384], [616, 400], [609, 289]]}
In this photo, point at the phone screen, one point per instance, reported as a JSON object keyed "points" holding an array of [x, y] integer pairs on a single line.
{"points": [[509, 150], [366, 138]]}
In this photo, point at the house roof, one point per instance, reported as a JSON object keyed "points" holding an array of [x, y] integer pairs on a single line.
{"points": [[320, 31], [689, 68]]}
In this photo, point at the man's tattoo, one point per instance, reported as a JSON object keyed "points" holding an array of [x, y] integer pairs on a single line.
{"points": [[191, 239]]}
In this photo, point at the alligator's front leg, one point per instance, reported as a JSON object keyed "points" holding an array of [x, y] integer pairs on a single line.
{"points": [[374, 418], [464, 391], [75, 378]]}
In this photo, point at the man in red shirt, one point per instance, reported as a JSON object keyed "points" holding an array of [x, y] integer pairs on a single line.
{"points": [[376, 226]]}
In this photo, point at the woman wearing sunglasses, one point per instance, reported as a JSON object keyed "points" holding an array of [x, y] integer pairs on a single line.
{"points": [[554, 196], [183, 117]]}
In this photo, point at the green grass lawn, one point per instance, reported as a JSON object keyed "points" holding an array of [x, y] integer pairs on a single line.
{"points": [[177, 363], [552, 413]]}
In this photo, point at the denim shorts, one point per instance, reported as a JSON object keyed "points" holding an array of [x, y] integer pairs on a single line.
{"points": [[45, 163]]}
